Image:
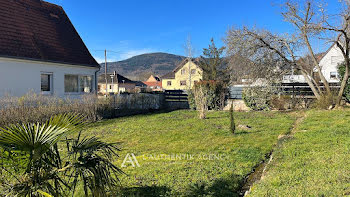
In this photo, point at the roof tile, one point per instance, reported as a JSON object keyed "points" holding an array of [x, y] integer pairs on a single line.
{"points": [[39, 30]]}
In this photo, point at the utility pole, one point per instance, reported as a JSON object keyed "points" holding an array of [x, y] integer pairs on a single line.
{"points": [[106, 70]]}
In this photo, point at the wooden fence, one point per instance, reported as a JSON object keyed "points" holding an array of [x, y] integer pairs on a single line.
{"points": [[175, 96]]}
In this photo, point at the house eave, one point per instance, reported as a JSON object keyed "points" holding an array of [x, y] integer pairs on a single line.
{"points": [[48, 61]]}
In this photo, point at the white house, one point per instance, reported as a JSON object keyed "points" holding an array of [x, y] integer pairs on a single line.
{"points": [[329, 63], [329, 66], [41, 51]]}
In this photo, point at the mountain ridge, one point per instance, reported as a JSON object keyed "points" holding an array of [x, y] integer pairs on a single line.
{"points": [[140, 67]]}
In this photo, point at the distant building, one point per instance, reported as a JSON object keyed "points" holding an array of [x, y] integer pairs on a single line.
{"points": [[154, 83], [41, 51], [328, 62], [116, 83], [183, 76], [293, 79]]}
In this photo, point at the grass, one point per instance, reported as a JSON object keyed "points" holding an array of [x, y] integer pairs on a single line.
{"points": [[315, 162], [213, 161]]}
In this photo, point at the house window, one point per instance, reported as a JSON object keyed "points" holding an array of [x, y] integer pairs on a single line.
{"points": [[77, 84], [46, 82], [71, 83], [193, 71], [183, 71], [336, 59], [168, 83], [182, 83], [110, 86], [85, 84], [333, 75]]}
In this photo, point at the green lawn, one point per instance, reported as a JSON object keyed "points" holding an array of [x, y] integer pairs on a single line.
{"points": [[313, 163], [213, 161]]}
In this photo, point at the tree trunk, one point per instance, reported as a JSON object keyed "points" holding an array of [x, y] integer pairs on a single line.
{"points": [[319, 71], [312, 86], [343, 85]]}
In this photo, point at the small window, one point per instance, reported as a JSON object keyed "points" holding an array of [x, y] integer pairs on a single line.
{"points": [[336, 59], [183, 71], [46, 82], [193, 71], [168, 83], [182, 83], [333, 75], [110, 86]]}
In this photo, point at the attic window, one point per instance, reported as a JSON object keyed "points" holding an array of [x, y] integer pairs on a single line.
{"points": [[336, 59], [54, 16]]}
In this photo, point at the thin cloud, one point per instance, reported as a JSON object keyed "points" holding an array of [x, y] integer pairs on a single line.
{"points": [[132, 53]]}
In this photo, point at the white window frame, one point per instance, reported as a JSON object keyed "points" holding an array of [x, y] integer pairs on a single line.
{"points": [[333, 73], [50, 81]]}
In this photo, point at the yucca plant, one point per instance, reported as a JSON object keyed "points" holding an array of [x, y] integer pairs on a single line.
{"points": [[90, 162], [45, 172]]}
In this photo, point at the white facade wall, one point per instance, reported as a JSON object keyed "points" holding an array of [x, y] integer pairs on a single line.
{"points": [[330, 62], [18, 77]]}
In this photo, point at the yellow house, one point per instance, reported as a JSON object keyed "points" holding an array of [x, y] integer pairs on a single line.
{"points": [[183, 76]]}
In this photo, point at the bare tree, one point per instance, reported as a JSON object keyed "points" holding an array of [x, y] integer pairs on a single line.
{"points": [[189, 53], [339, 26], [310, 22]]}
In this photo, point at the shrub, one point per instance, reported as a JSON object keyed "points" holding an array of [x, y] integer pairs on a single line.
{"points": [[215, 92], [341, 71], [201, 99], [280, 102], [39, 108], [325, 101], [191, 101], [258, 97]]}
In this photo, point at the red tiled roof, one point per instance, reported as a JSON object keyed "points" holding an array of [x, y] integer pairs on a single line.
{"points": [[38, 30], [153, 84]]}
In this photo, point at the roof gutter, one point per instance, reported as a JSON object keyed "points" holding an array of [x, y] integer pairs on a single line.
{"points": [[96, 81]]}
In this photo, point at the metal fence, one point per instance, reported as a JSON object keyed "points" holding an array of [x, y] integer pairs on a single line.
{"points": [[292, 89]]}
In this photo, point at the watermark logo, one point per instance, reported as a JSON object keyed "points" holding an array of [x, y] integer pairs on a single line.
{"points": [[131, 160]]}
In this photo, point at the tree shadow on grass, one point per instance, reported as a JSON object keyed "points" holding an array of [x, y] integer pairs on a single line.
{"points": [[223, 187], [145, 191]]}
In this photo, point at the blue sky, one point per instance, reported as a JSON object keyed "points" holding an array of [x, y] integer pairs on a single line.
{"points": [[132, 27]]}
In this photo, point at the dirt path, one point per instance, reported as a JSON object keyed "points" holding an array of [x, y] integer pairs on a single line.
{"points": [[259, 171]]}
